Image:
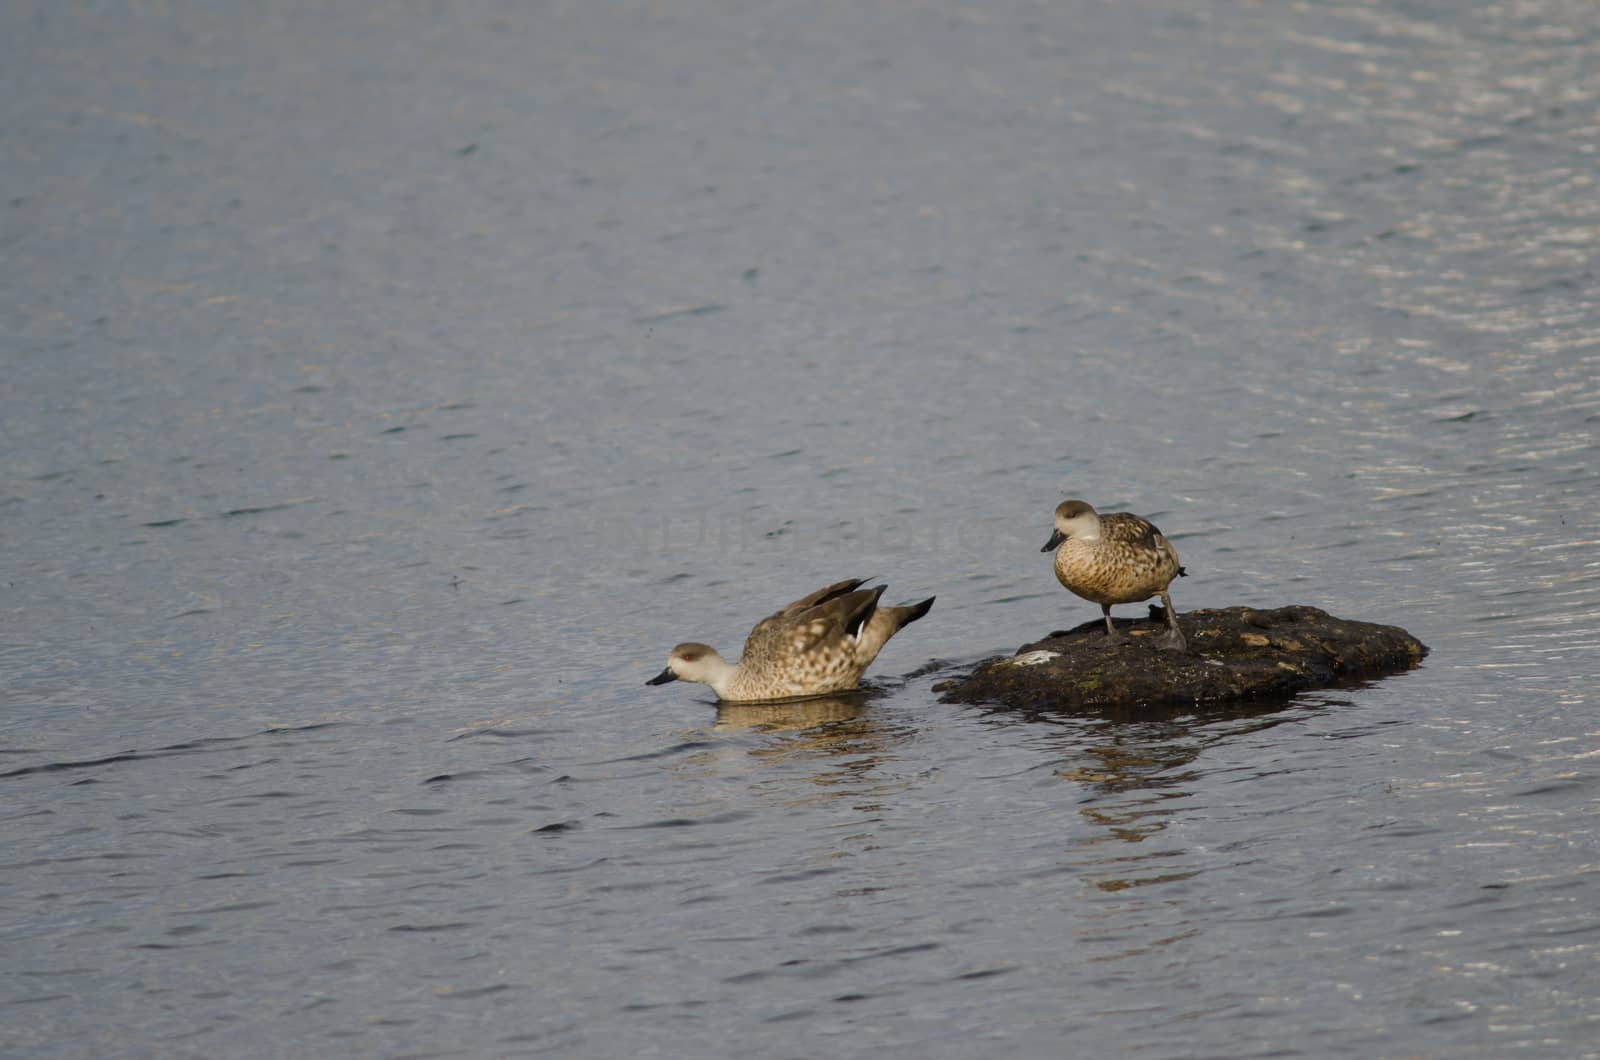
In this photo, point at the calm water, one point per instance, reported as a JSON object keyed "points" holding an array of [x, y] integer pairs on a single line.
{"points": [[386, 389]]}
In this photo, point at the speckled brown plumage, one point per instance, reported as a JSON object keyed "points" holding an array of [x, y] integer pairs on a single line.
{"points": [[819, 644], [1115, 558]]}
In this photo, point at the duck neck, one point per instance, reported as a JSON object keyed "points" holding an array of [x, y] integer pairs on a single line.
{"points": [[718, 673]]}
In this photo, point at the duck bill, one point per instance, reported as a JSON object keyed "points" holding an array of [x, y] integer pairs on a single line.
{"points": [[1056, 537], [663, 677]]}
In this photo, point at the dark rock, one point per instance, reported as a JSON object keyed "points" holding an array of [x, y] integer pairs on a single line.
{"points": [[1235, 654]]}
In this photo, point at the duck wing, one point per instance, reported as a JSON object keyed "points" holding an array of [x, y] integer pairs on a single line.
{"points": [[825, 617], [1125, 528], [1140, 534], [821, 596]]}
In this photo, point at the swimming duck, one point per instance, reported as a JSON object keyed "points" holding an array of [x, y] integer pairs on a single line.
{"points": [[821, 643], [1115, 558]]}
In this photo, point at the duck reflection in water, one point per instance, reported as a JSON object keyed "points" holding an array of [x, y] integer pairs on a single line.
{"points": [[837, 741], [796, 715]]}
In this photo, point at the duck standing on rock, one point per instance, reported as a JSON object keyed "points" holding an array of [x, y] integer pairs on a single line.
{"points": [[1115, 558], [819, 644]]}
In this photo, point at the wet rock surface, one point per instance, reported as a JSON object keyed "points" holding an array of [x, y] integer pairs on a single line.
{"points": [[1236, 654]]}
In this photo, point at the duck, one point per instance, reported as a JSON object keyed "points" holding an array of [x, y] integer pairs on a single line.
{"points": [[818, 645], [1115, 558]]}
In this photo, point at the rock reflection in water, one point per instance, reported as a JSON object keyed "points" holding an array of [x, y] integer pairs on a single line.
{"points": [[1138, 769]]}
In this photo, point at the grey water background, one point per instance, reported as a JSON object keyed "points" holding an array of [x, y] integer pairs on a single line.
{"points": [[387, 387]]}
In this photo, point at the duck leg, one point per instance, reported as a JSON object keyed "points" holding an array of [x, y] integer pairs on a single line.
{"points": [[1172, 639], [1113, 636]]}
